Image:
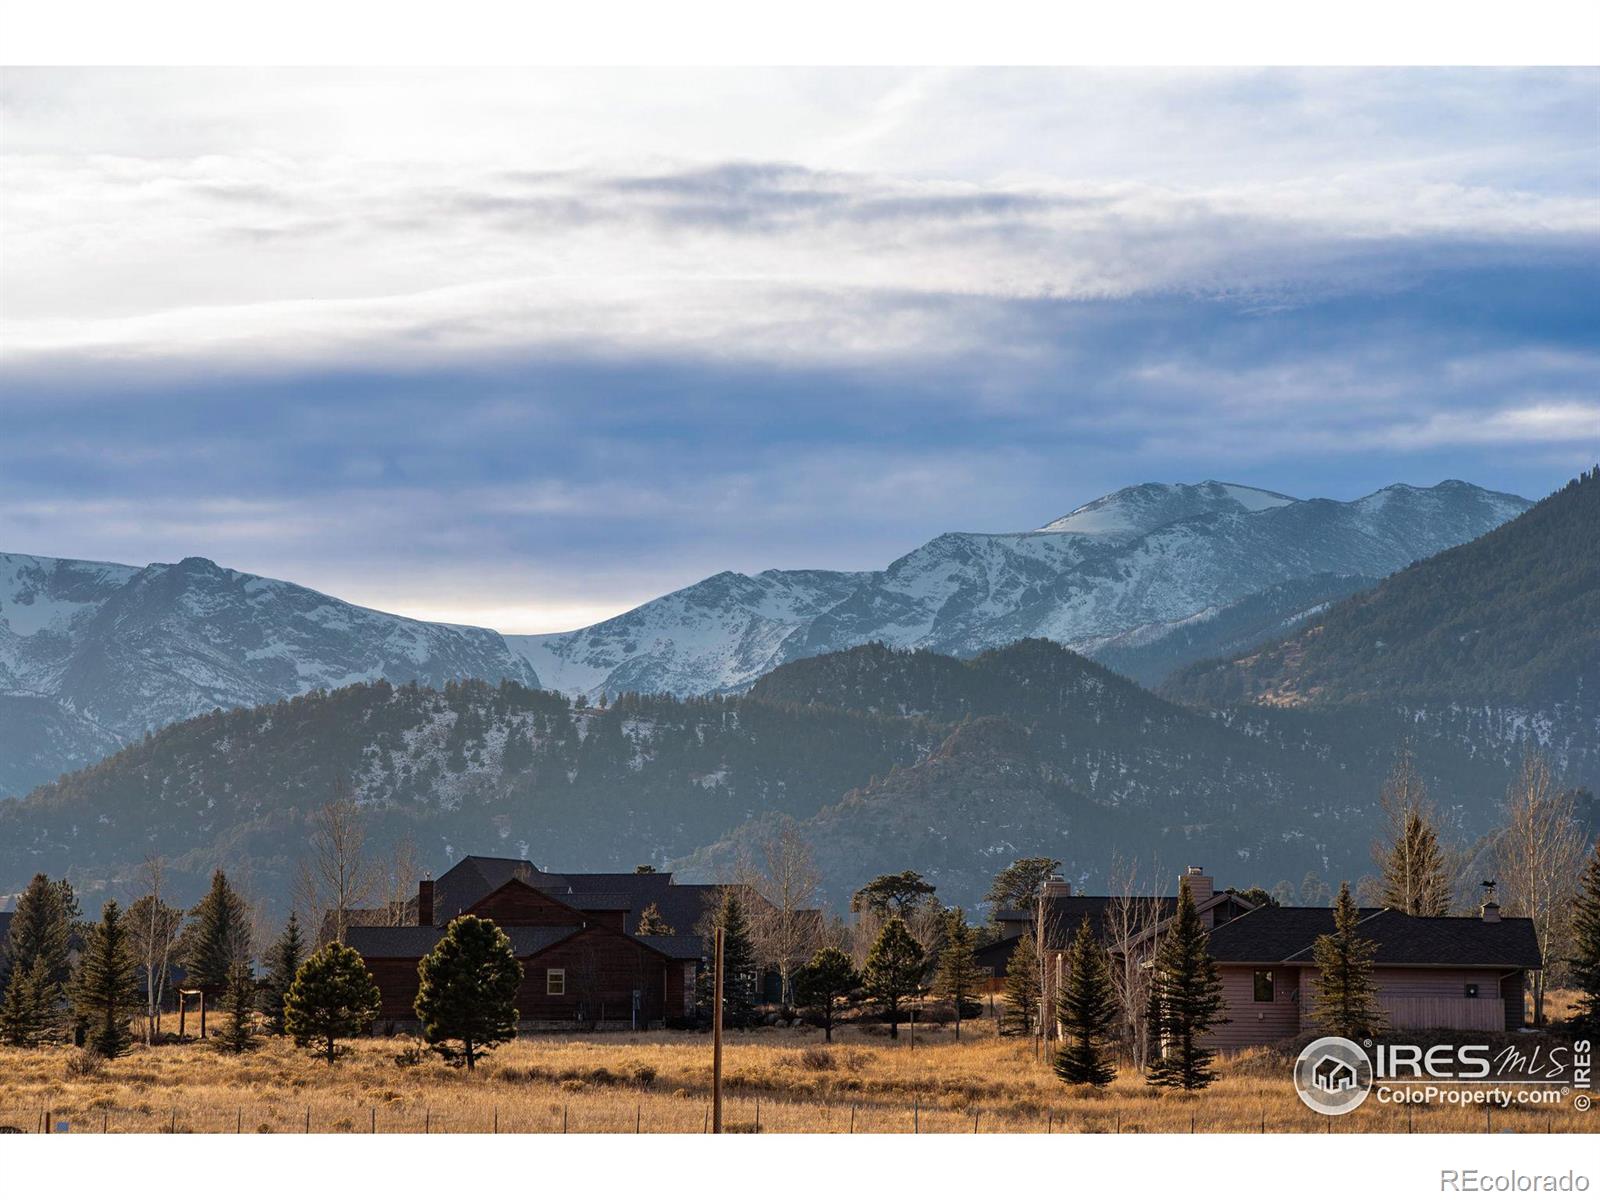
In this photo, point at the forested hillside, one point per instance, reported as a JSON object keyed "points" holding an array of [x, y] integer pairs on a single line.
{"points": [[1512, 618], [889, 759]]}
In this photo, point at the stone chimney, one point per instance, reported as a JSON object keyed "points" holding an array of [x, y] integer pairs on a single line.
{"points": [[425, 902], [1056, 887]]}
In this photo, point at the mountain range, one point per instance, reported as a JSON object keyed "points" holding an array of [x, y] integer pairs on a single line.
{"points": [[888, 758], [1147, 579]]}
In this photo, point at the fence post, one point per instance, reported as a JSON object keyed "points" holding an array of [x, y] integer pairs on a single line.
{"points": [[427, 1120], [373, 1114], [238, 1120], [852, 1116], [1049, 1120], [497, 1118], [174, 1126], [637, 1108], [974, 1122], [563, 1118], [308, 1118]]}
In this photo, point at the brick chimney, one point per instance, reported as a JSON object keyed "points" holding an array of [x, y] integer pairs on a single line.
{"points": [[425, 902], [1055, 887]]}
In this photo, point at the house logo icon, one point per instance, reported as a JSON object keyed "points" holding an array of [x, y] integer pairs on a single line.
{"points": [[1333, 1076]]}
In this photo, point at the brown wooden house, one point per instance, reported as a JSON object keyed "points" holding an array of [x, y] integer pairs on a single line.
{"points": [[582, 967]]}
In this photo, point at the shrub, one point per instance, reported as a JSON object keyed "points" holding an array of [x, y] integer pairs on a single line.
{"points": [[85, 1064], [817, 1059]]}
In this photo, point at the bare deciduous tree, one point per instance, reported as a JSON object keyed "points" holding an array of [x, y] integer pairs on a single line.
{"points": [[339, 876], [1131, 920], [1540, 854], [402, 871], [787, 929], [154, 926]]}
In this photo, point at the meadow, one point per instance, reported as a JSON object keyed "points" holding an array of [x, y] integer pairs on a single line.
{"points": [[776, 1081]]}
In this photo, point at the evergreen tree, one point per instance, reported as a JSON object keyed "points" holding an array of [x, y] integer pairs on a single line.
{"points": [[1022, 883], [41, 930], [824, 983], [1347, 1001], [1022, 987], [652, 923], [468, 990], [1086, 1008], [1586, 948], [958, 975], [1189, 1000], [105, 990], [894, 971], [333, 996], [38, 962], [28, 1011], [239, 1035], [217, 937], [283, 964], [900, 895], [1415, 879], [739, 972]]}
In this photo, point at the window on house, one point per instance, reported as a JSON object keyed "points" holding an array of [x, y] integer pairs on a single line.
{"points": [[1263, 987], [1472, 991], [555, 981]]}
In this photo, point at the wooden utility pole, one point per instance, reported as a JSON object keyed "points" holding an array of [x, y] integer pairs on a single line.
{"points": [[716, 1036]]}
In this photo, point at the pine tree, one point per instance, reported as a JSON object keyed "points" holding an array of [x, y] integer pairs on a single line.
{"points": [[894, 971], [1415, 881], [283, 963], [1022, 987], [217, 937], [468, 990], [1347, 1001], [333, 996], [824, 983], [41, 930], [239, 1035], [739, 972], [652, 923], [1585, 960], [958, 975], [105, 991], [28, 1011], [1189, 1002], [1086, 1009]]}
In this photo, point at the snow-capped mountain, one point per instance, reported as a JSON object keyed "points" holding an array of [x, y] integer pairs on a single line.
{"points": [[1145, 556], [93, 654]]}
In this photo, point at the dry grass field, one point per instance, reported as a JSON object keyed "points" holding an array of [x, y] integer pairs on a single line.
{"points": [[784, 1081]]}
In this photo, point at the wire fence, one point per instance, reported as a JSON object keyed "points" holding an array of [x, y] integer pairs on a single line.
{"points": [[744, 1114]]}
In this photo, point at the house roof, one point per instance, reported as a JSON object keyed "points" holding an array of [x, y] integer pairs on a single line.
{"points": [[415, 941], [475, 876], [1287, 935], [1063, 914], [677, 946]]}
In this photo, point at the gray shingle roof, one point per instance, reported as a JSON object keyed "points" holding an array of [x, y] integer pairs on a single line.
{"points": [[677, 945], [1287, 935], [413, 941]]}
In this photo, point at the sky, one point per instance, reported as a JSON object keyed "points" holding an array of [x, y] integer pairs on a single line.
{"points": [[525, 348]]}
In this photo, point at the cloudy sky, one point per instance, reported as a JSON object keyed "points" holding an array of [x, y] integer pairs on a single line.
{"points": [[525, 348]]}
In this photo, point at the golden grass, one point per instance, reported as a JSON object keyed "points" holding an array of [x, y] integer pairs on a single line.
{"points": [[661, 1083]]}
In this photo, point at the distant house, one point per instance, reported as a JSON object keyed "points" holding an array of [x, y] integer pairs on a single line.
{"points": [[583, 962], [1466, 973]]}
